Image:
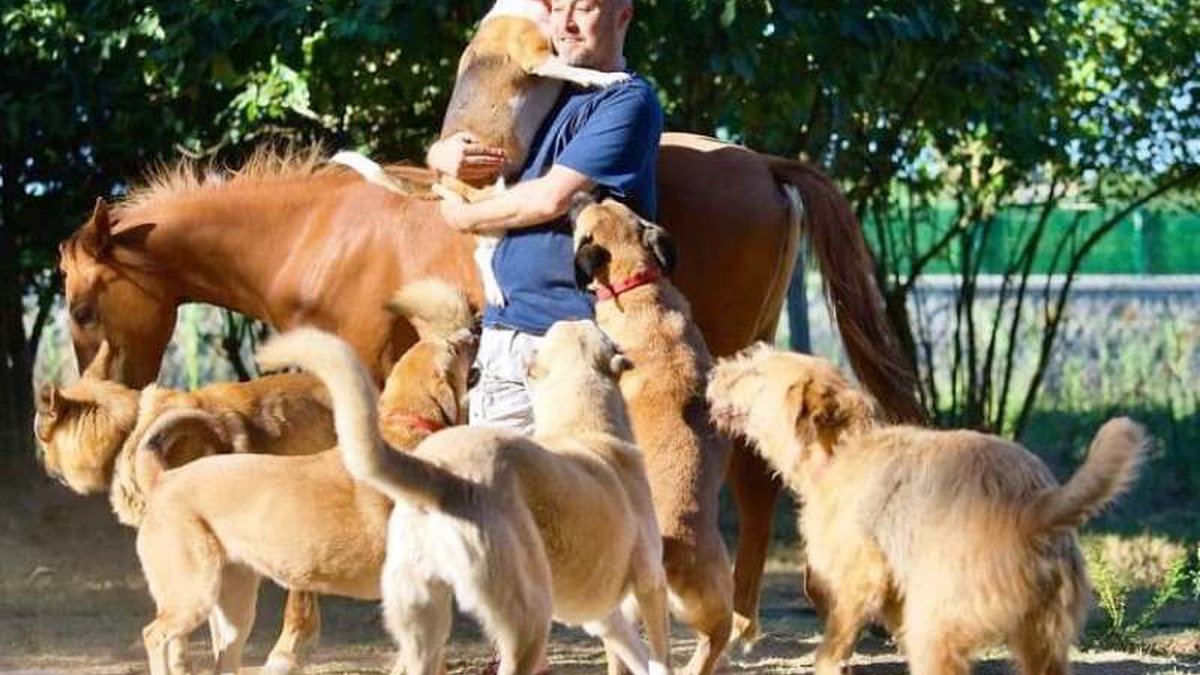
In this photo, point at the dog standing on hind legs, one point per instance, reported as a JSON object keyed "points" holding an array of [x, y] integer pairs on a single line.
{"points": [[956, 540], [625, 260]]}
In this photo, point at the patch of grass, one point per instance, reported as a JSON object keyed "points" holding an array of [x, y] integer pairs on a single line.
{"points": [[1118, 567]]}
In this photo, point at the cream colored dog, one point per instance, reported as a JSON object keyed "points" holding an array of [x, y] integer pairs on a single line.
{"points": [[517, 529], [625, 260], [955, 539], [214, 528]]}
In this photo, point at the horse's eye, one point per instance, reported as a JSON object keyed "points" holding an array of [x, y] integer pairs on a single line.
{"points": [[472, 377], [83, 314]]}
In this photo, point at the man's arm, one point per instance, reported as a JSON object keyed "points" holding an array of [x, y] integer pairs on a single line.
{"points": [[464, 157], [533, 202]]}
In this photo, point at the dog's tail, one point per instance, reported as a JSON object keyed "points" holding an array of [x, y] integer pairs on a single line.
{"points": [[836, 243], [400, 476], [436, 309], [1111, 465], [152, 456], [369, 169]]}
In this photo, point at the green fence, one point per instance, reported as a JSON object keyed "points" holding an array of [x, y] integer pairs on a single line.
{"points": [[1146, 242]]}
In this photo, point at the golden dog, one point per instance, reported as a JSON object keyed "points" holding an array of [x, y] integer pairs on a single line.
{"points": [[625, 260], [955, 539], [517, 529], [213, 529], [88, 433]]}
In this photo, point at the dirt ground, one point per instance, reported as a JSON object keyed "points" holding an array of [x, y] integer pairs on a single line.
{"points": [[72, 600]]}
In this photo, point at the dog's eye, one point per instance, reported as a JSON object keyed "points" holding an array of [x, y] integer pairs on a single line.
{"points": [[472, 377]]}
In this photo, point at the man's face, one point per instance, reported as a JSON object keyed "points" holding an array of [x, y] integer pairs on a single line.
{"points": [[589, 33]]}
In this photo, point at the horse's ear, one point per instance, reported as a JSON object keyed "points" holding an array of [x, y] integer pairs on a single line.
{"points": [[100, 227], [134, 235], [47, 400], [579, 201]]}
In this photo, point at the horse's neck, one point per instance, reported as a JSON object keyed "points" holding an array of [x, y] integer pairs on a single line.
{"points": [[224, 249]]}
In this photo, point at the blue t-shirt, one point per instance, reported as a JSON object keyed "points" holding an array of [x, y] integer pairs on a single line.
{"points": [[609, 135]]}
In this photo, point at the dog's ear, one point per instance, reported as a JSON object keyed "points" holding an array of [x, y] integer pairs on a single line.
{"points": [[579, 201], [619, 363], [48, 400], [463, 341], [818, 411], [590, 259], [660, 244]]}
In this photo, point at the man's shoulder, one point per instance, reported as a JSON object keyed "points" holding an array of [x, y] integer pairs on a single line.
{"points": [[634, 93]]}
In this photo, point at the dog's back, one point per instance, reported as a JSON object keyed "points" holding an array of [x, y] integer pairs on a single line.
{"points": [[495, 97]]}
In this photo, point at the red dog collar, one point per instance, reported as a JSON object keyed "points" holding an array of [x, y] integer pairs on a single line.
{"points": [[646, 276], [416, 422]]}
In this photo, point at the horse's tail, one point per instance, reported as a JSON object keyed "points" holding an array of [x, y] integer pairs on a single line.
{"points": [[836, 242], [369, 170], [399, 475], [436, 309]]}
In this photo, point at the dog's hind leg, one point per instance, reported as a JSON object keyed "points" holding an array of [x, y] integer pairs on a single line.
{"points": [[300, 631], [621, 639], [702, 596], [755, 490], [233, 617], [418, 613], [1037, 653]]}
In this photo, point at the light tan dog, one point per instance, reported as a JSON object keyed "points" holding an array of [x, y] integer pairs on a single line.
{"points": [[88, 434], [517, 529], [213, 529], [955, 539], [625, 260]]}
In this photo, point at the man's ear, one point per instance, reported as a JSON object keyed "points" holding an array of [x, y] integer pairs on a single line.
{"points": [[660, 244], [590, 260]]}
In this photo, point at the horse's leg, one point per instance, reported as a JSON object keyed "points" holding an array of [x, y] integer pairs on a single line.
{"points": [[301, 627]]}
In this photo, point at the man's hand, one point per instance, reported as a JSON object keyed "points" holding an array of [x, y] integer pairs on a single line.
{"points": [[451, 209], [462, 156]]}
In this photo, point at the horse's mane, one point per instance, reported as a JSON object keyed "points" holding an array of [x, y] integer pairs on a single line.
{"points": [[268, 162]]}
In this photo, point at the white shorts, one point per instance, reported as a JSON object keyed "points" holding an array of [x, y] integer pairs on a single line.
{"points": [[501, 396]]}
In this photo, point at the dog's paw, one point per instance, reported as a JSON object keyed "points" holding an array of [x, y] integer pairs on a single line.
{"points": [[603, 80], [744, 632], [281, 663]]}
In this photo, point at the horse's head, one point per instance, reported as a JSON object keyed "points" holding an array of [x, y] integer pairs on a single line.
{"points": [[114, 296]]}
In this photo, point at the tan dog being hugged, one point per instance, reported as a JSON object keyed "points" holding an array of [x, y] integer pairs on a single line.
{"points": [[516, 529], [213, 529], [625, 259], [955, 539]]}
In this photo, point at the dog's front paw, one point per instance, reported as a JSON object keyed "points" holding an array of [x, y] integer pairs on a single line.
{"points": [[745, 631], [281, 663], [603, 80]]}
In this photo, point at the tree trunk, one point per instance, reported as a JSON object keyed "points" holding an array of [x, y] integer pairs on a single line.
{"points": [[16, 366]]}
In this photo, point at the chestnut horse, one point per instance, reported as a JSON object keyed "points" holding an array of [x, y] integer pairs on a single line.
{"points": [[293, 242]]}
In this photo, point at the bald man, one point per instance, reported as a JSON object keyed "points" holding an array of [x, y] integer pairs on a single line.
{"points": [[603, 141]]}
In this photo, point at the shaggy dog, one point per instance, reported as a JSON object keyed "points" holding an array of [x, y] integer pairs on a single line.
{"points": [[954, 539], [518, 530], [624, 259], [213, 529]]}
